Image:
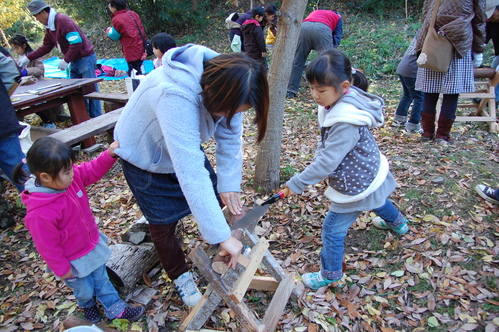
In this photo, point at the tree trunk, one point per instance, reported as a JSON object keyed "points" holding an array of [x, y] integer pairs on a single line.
{"points": [[269, 151]]}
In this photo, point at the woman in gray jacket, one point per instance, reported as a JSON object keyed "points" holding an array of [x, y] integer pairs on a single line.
{"points": [[197, 94]]}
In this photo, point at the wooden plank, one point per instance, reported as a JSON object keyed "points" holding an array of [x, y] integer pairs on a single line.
{"points": [[278, 303], [121, 98], [267, 284], [255, 256], [89, 128], [245, 316], [273, 266]]}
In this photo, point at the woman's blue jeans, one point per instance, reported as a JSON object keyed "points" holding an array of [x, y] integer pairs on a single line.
{"points": [[334, 231], [12, 155], [97, 285]]}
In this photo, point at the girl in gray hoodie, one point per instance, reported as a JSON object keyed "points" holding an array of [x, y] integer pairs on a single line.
{"points": [[348, 156]]}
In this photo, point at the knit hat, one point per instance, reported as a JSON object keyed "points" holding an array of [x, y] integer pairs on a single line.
{"points": [[490, 7], [36, 6]]}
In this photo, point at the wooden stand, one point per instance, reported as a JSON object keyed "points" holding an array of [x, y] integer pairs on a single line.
{"points": [[232, 286]]}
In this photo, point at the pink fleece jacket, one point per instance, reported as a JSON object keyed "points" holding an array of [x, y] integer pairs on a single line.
{"points": [[62, 224]]}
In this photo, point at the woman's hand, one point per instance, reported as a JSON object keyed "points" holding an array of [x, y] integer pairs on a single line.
{"points": [[113, 146], [232, 247], [232, 201]]}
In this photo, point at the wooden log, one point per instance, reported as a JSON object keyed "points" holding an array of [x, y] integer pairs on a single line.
{"points": [[130, 263], [74, 321]]}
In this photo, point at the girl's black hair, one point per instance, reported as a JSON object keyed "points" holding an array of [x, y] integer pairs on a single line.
{"points": [[257, 10], [118, 4], [20, 40], [163, 42], [47, 155], [330, 68], [270, 9]]}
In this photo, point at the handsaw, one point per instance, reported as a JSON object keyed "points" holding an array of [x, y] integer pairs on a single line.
{"points": [[252, 217]]}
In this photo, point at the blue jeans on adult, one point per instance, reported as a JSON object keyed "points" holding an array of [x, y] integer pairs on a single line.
{"points": [[334, 231], [12, 155], [411, 96], [313, 36], [85, 68], [97, 285]]}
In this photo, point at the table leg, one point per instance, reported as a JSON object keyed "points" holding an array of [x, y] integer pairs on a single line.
{"points": [[79, 113]]}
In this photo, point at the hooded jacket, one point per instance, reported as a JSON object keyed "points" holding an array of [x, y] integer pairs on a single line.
{"points": [[348, 156], [163, 125], [462, 21], [61, 223], [130, 40], [8, 73], [254, 41]]}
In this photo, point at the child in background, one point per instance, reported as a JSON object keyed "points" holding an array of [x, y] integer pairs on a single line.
{"points": [[348, 156], [33, 68], [408, 71], [65, 233], [253, 39], [270, 22], [161, 43]]}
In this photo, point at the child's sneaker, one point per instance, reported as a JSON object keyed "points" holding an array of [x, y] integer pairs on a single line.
{"points": [[92, 314], [380, 223], [188, 289], [132, 314], [486, 193], [315, 280]]}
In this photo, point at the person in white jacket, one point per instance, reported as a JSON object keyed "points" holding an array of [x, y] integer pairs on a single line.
{"points": [[197, 94]]}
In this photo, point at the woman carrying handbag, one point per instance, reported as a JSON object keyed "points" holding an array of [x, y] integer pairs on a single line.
{"points": [[462, 23]]}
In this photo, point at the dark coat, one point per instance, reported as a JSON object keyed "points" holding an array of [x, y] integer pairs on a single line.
{"points": [[253, 39], [130, 40]]}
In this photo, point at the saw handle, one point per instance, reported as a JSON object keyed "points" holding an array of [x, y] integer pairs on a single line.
{"points": [[280, 195]]}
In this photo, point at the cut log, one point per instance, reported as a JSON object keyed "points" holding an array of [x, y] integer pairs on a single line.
{"points": [[130, 263]]}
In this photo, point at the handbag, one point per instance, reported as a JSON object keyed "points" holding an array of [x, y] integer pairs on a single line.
{"points": [[437, 50], [147, 44]]}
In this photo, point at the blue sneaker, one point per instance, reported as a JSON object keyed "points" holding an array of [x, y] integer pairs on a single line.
{"points": [[188, 289], [380, 223], [315, 280]]}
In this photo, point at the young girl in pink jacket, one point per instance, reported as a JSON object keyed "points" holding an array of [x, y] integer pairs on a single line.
{"points": [[65, 233]]}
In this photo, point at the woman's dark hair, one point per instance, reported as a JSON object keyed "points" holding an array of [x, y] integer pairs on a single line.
{"points": [[163, 42], [47, 155], [360, 80], [257, 10], [270, 9], [232, 80], [118, 4], [20, 41], [330, 68]]}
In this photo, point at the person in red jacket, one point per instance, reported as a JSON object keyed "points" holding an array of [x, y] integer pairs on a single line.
{"points": [[63, 33], [319, 31], [126, 25]]}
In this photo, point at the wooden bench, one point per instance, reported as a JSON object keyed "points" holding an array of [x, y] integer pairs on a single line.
{"points": [[86, 129], [120, 98], [484, 90]]}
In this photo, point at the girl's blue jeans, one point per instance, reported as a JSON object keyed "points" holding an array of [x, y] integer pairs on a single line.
{"points": [[334, 231], [97, 285]]}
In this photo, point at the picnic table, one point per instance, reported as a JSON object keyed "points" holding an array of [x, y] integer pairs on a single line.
{"points": [[46, 94]]}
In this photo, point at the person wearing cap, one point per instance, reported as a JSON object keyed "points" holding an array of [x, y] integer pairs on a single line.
{"points": [[62, 32], [319, 31]]}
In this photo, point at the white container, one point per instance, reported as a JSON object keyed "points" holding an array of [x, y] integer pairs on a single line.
{"points": [[84, 328]]}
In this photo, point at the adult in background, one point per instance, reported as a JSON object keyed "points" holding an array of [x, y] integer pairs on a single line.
{"points": [[463, 23], [319, 31], [11, 153], [195, 95], [126, 25], [63, 33]]}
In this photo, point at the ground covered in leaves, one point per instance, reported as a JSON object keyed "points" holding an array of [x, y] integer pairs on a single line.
{"points": [[443, 274]]}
